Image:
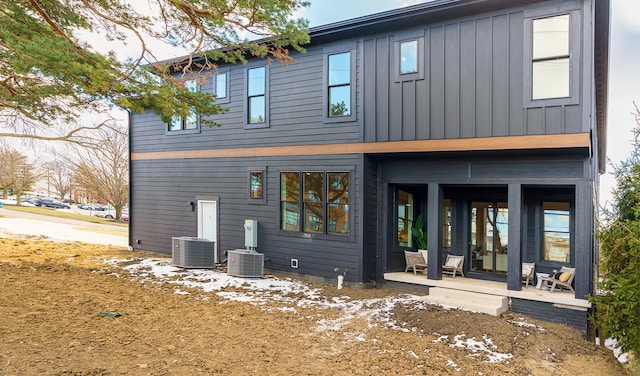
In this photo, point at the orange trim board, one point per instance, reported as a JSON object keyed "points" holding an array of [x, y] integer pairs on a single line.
{"points": [[577, 140]]}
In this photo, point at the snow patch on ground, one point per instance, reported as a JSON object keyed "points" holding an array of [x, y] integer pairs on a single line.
{"points": [[484, 347]]}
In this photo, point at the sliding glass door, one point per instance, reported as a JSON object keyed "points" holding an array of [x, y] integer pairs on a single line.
{"points": [[489, 237]]}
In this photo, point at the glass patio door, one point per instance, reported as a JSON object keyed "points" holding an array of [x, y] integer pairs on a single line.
{"points": [[489, 237], [404, 219]]}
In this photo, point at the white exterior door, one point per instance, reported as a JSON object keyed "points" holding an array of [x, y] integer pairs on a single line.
{"points": [[208, 222]]}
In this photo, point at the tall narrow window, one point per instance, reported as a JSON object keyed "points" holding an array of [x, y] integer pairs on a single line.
{"points": [[221, 85], [257, 184], [290, 201], [313, 201], [340, 84], [190, 121], [405, 218], [551, 58], [446, 225], [256, 95], [409, 57], [556, 237], [338, 203]]}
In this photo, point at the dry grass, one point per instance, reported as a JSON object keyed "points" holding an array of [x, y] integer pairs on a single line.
{"points": [[64, 214]]}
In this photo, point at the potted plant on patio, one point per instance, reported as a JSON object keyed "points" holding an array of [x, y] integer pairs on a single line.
{"points": [[420, 233]]}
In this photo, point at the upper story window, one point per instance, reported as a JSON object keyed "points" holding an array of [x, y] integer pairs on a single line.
{"points": [[409, 57], [221, 85], [189, 122], [340, 84], [340, 79], [551, 57], [551, 49], [256, 101]]}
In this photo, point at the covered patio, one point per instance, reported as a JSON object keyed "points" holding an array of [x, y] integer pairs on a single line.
{"points": [[462, 291]]}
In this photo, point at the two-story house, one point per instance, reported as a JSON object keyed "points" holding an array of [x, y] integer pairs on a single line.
{"points": [[486, 116]]}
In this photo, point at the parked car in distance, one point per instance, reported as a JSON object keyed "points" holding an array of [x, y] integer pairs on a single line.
{"points": [[35, 201], [29, 201], [93, 206], [109, 214], [51, 203]]}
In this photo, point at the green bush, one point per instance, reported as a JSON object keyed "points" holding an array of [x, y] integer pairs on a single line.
{"points": [[617, 303]]}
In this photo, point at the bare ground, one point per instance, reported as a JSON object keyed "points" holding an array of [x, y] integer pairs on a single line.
{"points": [[53, 293]]}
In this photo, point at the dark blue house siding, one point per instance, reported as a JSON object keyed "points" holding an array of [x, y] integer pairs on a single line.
{"points": [[550, 312], [162, 190], [460, 129]]}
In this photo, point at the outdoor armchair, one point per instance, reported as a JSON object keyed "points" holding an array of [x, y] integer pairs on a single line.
{"points": [[453, 265], [414, 261], [562, 279], [528, 269]]}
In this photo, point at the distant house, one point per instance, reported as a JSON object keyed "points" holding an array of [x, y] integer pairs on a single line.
{"points": [[488, 117]]}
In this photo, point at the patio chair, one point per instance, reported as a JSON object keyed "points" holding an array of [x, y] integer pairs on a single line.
{"points": [[453, 265], [414, 261], [528, 269], [562, 279]]}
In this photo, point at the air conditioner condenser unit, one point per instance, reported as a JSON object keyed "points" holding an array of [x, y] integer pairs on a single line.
{"points": [[191, 252], [245, 263]]}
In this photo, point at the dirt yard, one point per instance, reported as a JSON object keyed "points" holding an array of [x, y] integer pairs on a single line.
{"points": [[56, 300]]}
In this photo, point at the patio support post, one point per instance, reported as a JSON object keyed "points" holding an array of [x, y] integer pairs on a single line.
{"points": [[583, 245], [434, 226], [514, 258]]}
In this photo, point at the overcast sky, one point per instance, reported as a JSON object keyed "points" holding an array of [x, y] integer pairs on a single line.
{"points": [[624, 65]]}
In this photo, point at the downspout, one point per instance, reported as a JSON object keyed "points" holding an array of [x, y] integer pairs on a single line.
{"points": [[130, 128]]}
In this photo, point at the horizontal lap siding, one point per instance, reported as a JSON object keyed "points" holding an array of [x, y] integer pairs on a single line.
{"points": [[548, 312], [295, 114], [473, 85], [486, 170], [162, 190]]}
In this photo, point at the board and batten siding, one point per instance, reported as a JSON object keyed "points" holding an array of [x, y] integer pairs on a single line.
{"points": [[472, 87], [162, 189]]}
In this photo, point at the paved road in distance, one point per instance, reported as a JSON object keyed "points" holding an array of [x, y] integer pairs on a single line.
{"points": [[61, 229]]}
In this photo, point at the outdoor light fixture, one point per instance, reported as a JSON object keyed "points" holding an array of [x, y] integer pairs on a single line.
{"points": [[193, 205]]}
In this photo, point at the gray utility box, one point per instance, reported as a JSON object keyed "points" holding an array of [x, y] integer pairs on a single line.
{"points": [[245, 263], [191, 252]]}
